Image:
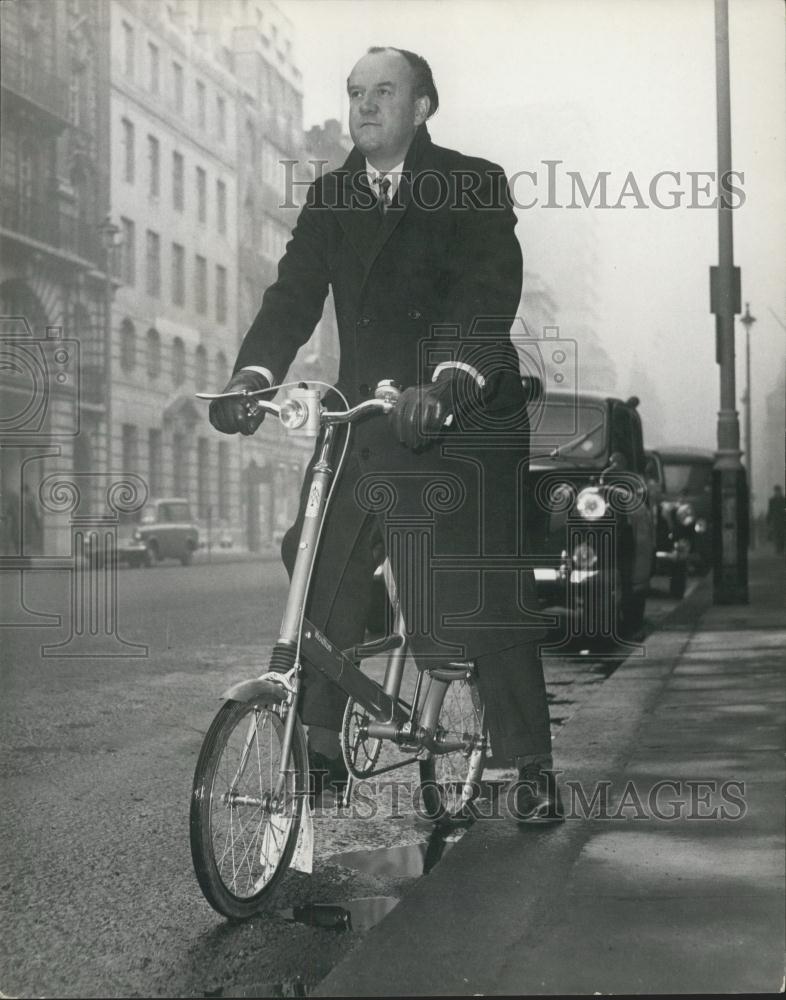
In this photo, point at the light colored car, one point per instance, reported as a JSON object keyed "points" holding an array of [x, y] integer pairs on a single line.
{"points": [[166, 530]]}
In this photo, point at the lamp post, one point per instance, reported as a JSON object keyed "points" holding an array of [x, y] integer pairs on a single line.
{"points": [[108, 231], [730, 541], [747, 321]]}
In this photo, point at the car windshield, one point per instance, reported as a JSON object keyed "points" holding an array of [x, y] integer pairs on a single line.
{"points": [[681, 477], [577, 429]]}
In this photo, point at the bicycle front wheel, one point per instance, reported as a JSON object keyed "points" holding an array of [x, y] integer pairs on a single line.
{"points": [[244, 817], [450, 781]]}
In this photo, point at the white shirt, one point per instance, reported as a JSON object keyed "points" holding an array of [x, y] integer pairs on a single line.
{"points": [[393, 175]]}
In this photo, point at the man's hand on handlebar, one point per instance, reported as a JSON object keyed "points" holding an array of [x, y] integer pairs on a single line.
{"points": [[232, 416], [423, 410]]}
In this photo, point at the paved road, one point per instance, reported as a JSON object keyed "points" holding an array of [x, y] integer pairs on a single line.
{"points": [[97, 755]]}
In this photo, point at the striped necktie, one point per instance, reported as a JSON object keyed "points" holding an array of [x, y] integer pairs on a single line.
{"points": [[383, 183]]}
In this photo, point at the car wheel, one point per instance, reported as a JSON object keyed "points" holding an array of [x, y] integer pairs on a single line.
{"points": [[187, 558], [678, 580], [150, 556]]}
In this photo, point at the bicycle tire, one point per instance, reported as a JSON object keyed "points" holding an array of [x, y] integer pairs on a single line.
{"points": [[240, 850], [445, 777]]}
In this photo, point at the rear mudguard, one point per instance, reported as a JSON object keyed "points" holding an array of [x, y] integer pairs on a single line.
{"points": [[259, 689]]}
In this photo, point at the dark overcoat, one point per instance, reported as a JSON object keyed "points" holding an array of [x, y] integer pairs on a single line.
{"points": [[436, 278]]}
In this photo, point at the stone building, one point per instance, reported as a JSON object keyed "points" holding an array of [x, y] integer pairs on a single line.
{"points": [[53, 283], [174, 199]]}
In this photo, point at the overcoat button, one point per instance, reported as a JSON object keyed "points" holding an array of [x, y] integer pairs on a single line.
{"points": [[414, 314]]}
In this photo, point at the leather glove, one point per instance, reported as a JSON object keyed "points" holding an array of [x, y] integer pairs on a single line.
{"points": [[422, 410], [231, 415]]}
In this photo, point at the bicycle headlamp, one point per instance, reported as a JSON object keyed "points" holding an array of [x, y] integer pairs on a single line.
{"points": [[293, 414], [685, 514], [590, 504]]}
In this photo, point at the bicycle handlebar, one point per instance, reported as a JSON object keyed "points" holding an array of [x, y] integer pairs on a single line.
{"points": [[294, 413]]}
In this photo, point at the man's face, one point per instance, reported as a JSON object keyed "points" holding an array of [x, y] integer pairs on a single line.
{"points": [[383, 110]]}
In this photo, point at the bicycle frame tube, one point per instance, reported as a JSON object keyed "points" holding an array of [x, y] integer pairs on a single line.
{"points": [[318, 491]]}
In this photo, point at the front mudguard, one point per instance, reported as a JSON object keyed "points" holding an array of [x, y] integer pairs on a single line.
{"points": [[260, 690]]}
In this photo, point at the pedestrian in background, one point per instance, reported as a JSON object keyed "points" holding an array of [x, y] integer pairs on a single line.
{"points": [[776, 519]]}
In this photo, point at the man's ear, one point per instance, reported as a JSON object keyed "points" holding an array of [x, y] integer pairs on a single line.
{"points": [[422, 108]]}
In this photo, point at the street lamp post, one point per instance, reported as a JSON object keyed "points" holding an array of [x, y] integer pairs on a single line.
{"points": [[730, 541], [747, 321], [109, 233]]}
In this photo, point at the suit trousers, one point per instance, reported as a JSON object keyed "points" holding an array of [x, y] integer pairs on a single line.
{"points": [[511, 680]]}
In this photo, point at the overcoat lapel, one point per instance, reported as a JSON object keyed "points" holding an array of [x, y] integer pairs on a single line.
{"points": [[361, 224]]}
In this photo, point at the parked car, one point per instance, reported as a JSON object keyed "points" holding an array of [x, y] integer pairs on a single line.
{"points": [[687, 478], [591, 515], [672, 535], [165, 530]]}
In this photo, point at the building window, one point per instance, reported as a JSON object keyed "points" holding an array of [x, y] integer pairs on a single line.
{"points": [[201, 104], [127, 346], [153, 353], [75, 91], [221, 117], [221, 206], [130, 448], [128, 50], [179, 464], [221, 294], [201, 183], [222, 369], [177, 87], [153, 67], [200, 286], [178, 275], [203, 477], [153, 257], [223, 480], [154, 163], [128, 252], [200, 362], [177, 181], [129, 152], [178, 361], [251, 143], [154, 461]]}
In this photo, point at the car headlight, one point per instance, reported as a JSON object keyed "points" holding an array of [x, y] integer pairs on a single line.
{"points": [[590, 504], [137, 536], [685, 514], [584, 556], [701, 525]]}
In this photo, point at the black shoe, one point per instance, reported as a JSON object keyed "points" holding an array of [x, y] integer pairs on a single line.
{"points": [[535, 797], [326, 773]]}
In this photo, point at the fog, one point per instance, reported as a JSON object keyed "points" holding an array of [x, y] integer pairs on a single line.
{"points": [[625, 88]]}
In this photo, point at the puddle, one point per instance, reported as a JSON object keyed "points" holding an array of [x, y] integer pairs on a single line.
{"points": [[294, 988], [356, 915], [409, 861]]}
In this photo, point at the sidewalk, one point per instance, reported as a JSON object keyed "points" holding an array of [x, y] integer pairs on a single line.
{"points": [[635, 902]]}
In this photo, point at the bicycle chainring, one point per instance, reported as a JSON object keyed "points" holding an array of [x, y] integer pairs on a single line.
{"points": [[360, 752]]}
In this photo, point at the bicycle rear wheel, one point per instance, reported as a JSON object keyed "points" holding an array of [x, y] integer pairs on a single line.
{"points": [[243, 833], [450, 781]]}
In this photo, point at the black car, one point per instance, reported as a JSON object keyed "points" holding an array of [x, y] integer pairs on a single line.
{"points": [[687, 488], [672, 534], [592, 523]]}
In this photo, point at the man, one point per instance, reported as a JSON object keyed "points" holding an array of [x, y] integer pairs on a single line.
{"points": [[776, 519], [418, 245]]}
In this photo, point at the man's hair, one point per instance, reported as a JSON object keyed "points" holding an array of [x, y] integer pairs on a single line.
{"points": [[423, 77]]}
